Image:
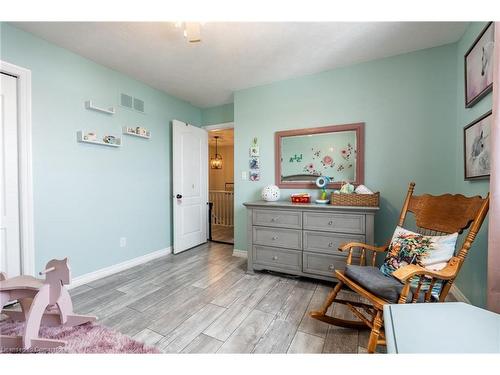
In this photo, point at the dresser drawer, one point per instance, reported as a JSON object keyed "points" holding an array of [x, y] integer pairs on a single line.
{"points": [[322, 264], [280, 237], [341, 223], [278, 218], [277, 258], [324, 242]]}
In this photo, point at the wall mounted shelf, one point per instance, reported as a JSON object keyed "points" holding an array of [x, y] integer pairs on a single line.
{"points": [[92, 106], [130, 131], [80, 137]]}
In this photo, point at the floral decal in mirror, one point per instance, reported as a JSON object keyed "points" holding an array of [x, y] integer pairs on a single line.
{"points": [[333, 151]]}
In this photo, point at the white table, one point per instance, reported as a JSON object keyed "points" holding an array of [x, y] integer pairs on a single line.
{"points": [[450, 327]]}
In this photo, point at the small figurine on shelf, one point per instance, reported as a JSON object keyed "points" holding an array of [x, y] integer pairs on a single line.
{"points": [[140, 131], [109, 139], [90, 136]]}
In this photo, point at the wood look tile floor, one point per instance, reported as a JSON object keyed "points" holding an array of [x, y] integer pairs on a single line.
{"points": [[223, 233], [202, 301]]}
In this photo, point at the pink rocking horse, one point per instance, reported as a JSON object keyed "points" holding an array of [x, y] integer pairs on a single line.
{"points": [[44, 302]]}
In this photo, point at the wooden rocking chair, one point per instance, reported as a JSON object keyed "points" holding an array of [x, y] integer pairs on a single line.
{"points": [[434, 215]]}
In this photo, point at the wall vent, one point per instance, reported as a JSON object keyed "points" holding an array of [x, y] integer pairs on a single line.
{"points": [[139, 105], [130, 102], [126, 100]]}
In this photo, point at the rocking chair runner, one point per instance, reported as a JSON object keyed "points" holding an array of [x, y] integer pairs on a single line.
{"points": [[435, 215]]}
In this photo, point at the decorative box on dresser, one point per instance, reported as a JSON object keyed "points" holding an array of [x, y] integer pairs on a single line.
{"points": [[303, 239]]}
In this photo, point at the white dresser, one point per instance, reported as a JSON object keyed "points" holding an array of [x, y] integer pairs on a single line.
{"points": [[303, 239]]}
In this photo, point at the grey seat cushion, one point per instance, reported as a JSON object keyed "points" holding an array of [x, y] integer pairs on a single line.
{"points": [[373, 280]]}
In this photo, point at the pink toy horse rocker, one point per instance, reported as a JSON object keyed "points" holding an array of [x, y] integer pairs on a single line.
{"points": [[44, 302]]}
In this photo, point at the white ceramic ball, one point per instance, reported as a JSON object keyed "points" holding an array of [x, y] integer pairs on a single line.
{"points": [[271, 193]]}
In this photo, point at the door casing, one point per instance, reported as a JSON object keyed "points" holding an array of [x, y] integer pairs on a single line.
{"points": [[26, 225]]}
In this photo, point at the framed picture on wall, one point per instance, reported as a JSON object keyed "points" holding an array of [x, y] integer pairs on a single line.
{"points": [[477, 149], [478, 63]]}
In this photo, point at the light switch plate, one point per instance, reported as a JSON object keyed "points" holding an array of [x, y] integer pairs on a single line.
{"points": [[244, 175]]}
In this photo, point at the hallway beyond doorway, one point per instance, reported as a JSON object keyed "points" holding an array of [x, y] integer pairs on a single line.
{"points": [[221, 184]]}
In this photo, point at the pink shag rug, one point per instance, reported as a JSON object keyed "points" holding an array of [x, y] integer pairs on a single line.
{"points": [[87, 338]]}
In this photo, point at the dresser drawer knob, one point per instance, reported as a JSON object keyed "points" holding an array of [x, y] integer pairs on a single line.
{"points": [[330, 222], [275, 238], [331, 267], [330, 244], [275, 257], [274, 219]]}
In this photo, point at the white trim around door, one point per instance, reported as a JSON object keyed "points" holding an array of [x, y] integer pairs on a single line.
{"points": [[25, 168], [225, 125]]}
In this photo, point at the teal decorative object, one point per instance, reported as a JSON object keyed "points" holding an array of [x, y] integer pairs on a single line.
{"points": [[322, 182]]}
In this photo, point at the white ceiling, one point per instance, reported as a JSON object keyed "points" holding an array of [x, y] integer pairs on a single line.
{"points": [[234, 56]]}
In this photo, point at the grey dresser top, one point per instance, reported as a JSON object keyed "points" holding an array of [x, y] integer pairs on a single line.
{"points": [[307, 206]]}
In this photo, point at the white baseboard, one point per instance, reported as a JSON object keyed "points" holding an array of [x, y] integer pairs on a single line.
{"points": [[103, 272], [239, 253], [459, 296]]}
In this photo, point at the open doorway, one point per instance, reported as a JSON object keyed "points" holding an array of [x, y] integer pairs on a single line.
{"points": [[221, 184]]}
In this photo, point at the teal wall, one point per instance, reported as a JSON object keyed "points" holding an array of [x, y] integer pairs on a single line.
{"points": [[413, 107], [86, 197], [472, 278], [408, 103], [218, 115]]}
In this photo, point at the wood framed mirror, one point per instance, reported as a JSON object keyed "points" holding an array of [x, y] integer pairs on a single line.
{"points": [[336, 151]]}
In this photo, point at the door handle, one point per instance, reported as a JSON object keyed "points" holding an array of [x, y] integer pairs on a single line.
{"points": [[179, 196]]}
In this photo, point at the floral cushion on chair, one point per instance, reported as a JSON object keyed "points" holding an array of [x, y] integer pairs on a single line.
{"points": [[431, 252]]}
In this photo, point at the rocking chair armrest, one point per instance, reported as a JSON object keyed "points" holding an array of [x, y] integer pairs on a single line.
{"points": [[350, 245], [449, 272]]}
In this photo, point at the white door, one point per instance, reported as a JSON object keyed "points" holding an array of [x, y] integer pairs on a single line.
{"points": [[10, 249], [190, 185]]}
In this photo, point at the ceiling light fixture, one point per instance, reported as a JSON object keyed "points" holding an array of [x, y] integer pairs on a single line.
{"points": [[191, 30], [216, 161]]}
